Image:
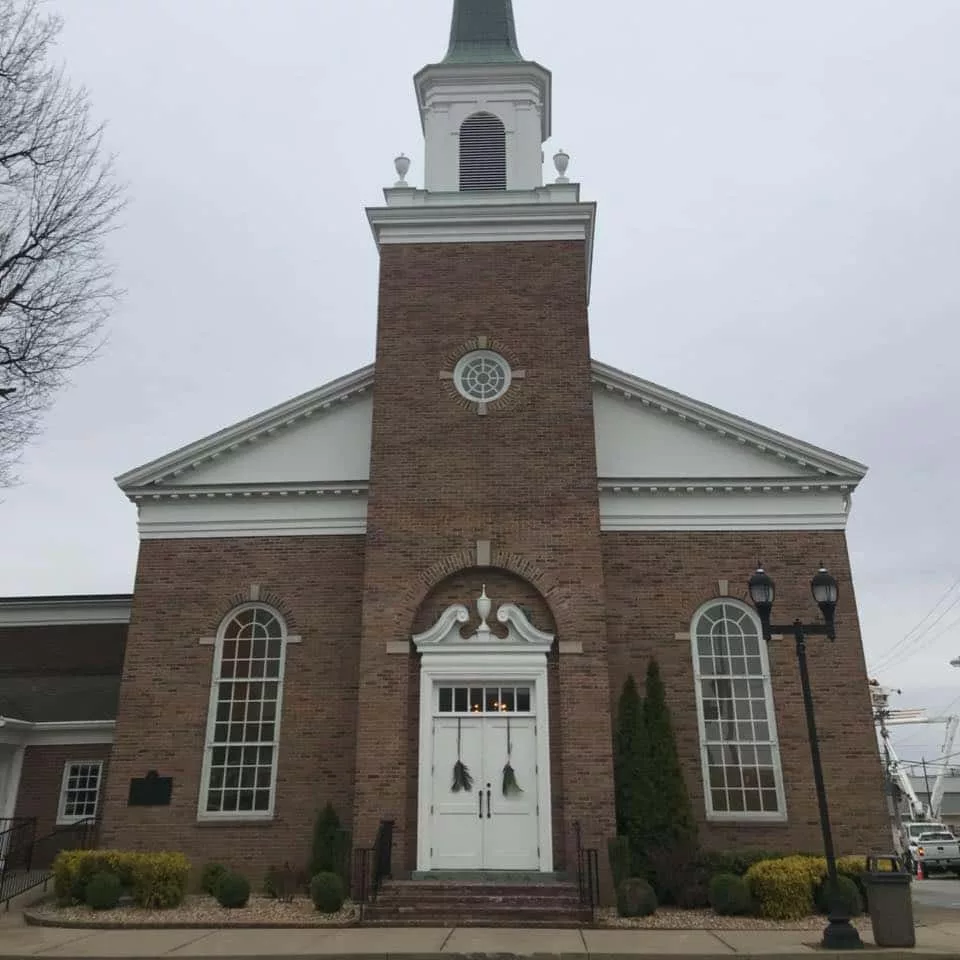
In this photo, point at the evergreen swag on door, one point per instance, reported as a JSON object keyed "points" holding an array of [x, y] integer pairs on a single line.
{"points": [[510, 786], [653, 807], [462, 778]]}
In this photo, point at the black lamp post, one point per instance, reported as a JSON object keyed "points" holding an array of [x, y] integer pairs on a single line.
{"points": [[840, 934]]}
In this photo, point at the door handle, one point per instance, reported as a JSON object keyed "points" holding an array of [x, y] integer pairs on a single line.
{"points": [[480, 812], [488, 801]]}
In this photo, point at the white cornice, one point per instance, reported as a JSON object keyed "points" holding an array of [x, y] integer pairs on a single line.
{"points": [[58, 611], [516, 216], [704, 506], [721, 486], [63, 733], [158, 528], [248, 491], [471, 77]]}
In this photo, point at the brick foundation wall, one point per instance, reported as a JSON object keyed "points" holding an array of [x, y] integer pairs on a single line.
{"points": [[523, 477], [183, 590], [41, 780], [655, 583]]}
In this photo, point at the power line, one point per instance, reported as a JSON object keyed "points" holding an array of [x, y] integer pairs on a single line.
{"points": [[916, 634]]}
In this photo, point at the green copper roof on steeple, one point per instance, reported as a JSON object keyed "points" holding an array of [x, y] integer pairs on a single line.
{"points": [[483, 31]]}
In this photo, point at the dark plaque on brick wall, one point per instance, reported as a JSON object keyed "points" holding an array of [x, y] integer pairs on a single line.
{"points": [[150, 791]]}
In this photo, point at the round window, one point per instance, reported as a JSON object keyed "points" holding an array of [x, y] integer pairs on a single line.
{"points": [[482, 376]]}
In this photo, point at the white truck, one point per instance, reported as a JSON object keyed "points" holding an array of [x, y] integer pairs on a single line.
{"points": [[938, 851]]}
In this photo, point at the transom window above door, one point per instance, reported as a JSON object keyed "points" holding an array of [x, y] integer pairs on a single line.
{"points": [[484, 699]]}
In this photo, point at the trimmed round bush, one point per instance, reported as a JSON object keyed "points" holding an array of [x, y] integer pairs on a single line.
{"points": [[233, 891], [635, 898], [730, 895], [327, 893], [849, 896], [103, 891], [210, 877], [783, 889]]}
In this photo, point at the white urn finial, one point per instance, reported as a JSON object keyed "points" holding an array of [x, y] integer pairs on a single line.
{"points": [[484, 607], [402, 165], [561, 160]]}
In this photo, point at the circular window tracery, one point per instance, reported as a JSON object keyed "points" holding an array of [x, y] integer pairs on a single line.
{"points": [[482, 376]]}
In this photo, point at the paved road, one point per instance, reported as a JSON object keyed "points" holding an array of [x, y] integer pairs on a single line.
{"points": [[939, 893]]}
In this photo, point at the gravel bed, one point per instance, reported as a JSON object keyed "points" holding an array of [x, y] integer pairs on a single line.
{"points": [[670, 918], [195, 912]]}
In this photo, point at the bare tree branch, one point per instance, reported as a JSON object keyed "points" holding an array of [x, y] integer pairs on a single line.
{"points": [[58, 202]]}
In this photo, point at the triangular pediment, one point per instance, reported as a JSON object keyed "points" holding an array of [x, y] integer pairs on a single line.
{"points": [[645, 434], [320, 438], [648, 433]]}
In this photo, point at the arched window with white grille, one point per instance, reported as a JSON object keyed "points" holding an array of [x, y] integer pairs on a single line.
{"points": [[483, 153], [742, 773], [243, 726]]}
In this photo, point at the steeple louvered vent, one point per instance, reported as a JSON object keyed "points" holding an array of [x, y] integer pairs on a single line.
{"points": [[483, 153]]}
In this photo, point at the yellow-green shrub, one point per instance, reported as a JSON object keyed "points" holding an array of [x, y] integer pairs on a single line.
{"points": [[72, 870], [786, 888], [783, 889], [155, 880]]}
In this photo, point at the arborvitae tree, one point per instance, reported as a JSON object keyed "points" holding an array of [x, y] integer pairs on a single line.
{"points": [[627, 747], [635, 801], [327, 842], [670, 818]]}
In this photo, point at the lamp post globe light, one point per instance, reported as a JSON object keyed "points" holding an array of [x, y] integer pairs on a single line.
{"points": [[839, 934]]}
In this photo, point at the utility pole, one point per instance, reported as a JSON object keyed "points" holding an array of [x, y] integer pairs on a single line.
{"points": [[892, 787], [926, 780], [880, 715]]}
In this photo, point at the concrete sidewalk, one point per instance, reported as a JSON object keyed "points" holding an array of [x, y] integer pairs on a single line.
{"points": [[19, 940]]}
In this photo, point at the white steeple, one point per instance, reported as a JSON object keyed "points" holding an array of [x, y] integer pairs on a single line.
{"points": [[485, 110]]}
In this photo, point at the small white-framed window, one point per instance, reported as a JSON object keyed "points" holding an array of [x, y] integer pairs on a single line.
{"points": [[239, 774], [742, 772], [79, 791]]}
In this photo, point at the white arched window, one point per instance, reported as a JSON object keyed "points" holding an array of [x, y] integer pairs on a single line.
{"points": [[243, 726], [483, 153], [742, 774]]}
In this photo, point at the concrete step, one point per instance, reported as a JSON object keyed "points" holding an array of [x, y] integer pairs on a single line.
{"points": [[474, 895], [557, 923], [468, 915], [477, 903]]}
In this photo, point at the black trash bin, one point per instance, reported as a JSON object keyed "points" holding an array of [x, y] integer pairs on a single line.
{"points": [[890, 902]]}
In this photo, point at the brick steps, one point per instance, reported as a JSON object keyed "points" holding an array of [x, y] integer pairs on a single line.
{"points": [[477, 904]]}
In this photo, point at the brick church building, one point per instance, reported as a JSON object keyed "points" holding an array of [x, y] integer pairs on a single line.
{"points": [[455, 554]]}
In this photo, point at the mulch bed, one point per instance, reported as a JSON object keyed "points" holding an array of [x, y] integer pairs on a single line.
{"points": [[201, 912], [670, 918], [196, 912]]}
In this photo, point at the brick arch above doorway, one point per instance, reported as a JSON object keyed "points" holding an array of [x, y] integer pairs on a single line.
{"points": [[502, 586], [539, 585]]}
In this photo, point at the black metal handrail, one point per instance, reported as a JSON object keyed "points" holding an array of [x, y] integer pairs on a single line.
{"points": [[372, 865], [17, 835], [28, 863], [588, 870]]}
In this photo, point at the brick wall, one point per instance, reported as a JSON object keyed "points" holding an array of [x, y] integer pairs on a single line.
{"points": [[522, 477], [41, 779], [655, 583], [183, 589]]}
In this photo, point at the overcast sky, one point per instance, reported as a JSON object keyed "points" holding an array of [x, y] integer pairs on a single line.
{"points": [[779, 232]]}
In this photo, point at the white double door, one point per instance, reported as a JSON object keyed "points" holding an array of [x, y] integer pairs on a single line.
{"points": [[485, 827]]}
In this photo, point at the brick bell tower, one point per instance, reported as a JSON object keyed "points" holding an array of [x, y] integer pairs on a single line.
{"points": [[483, 447]]}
